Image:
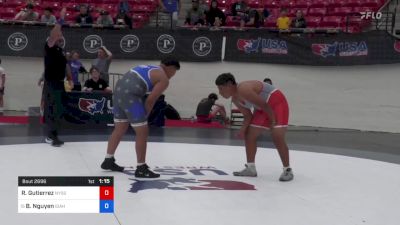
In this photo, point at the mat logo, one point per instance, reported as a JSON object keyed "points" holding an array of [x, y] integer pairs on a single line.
{"points": [[397, 46], [187, 183], [268, 46], [341, 49], [91, 106]]}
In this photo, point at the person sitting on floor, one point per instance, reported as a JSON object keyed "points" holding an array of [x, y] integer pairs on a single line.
{"points": [[208, 109]]}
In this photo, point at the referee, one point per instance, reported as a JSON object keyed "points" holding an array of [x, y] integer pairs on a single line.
{"points": [[55, 69]]}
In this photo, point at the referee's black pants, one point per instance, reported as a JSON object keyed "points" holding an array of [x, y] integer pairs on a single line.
{"points": [[53, 94]]}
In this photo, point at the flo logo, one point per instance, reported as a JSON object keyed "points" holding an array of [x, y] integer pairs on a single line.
{"points": [[92, 43], [91, 106], [267, 46], [342, 49], [17, 41], [371, 15], [176, 178]]}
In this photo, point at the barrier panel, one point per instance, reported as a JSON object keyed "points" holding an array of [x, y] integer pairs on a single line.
{"points": [[375, 47], [204, 45]]}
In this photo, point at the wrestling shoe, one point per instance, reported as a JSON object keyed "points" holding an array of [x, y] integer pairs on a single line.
{"points": [[109, 164], [143, 171], [246, 172], [287, 175], [55, 142]]}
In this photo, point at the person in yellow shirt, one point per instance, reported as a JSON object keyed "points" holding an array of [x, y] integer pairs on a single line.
{"points": [[283, 22]]}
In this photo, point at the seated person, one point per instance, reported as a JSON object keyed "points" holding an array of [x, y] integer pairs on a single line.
{"points": [[215, 16], [48, 16], [84, 15], [96, 83], [122, 18], [283, 22], [195, 16], [207, 109], [250, 18], [27, 14], [238, 7], [105, 19], [299, 21]]}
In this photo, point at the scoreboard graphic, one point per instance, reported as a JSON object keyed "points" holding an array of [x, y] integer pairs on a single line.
{"points": [[65, 194]]}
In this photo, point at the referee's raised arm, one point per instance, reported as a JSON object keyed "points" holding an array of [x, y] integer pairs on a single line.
{"points": [[56, 33]]}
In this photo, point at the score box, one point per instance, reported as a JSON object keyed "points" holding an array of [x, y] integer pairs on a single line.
{"points": [[106, 199], [106, 193], [65, 194]]}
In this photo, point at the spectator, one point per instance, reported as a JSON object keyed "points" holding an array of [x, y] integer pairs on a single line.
{"points": [[250, 18], [84, 15], [238, 7], [105, 19], [283, 22], [68, 81], [95, 83], [265, 13], [102, 62], [203, 6], [208, 109], [123, 19], [172, 8], [23, 6], [194, 15], [76, 68], [267, 80], [27, 14], [124, 6], [299, 21], [215, 16], [48, 16], [2, 85]]}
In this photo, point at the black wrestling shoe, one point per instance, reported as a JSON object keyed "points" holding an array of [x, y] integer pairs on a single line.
{"points": [[55, 142], [143, 171], [109, 164]]}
